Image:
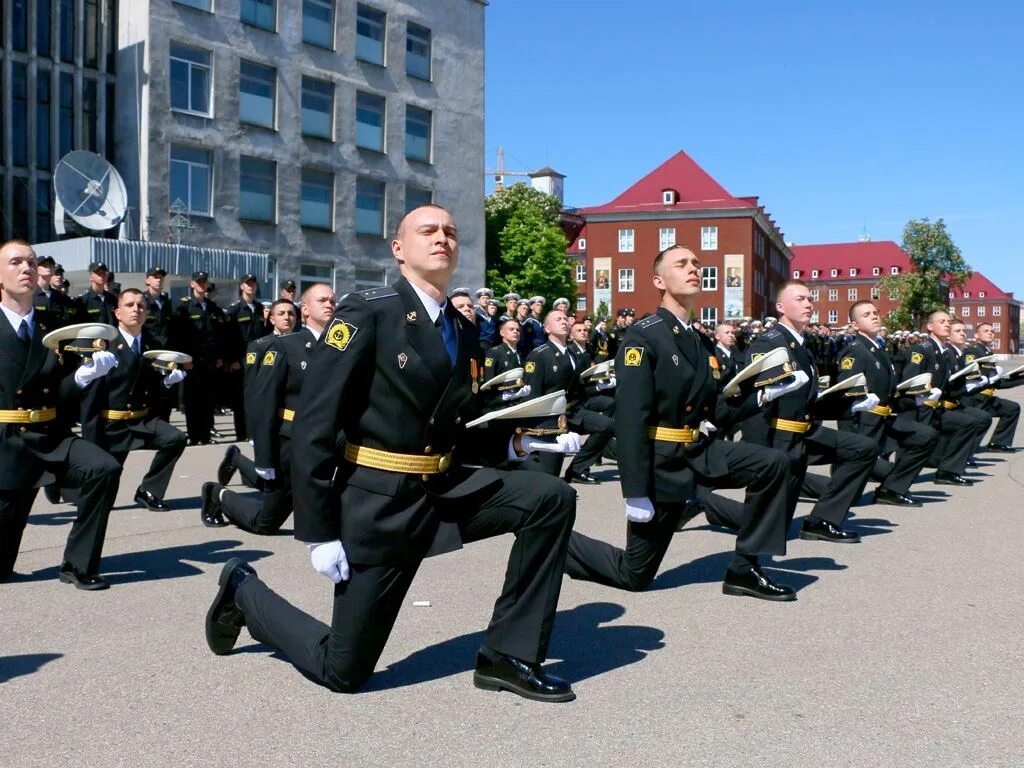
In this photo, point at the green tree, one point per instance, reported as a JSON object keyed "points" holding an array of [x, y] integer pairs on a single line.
{"points": [[526, 245], [937, 265]]}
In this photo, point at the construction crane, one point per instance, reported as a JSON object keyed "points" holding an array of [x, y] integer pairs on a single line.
{"points": [[500, 173]]}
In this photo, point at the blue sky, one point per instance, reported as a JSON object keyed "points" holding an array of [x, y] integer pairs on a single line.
{"points": [[842, 117]]}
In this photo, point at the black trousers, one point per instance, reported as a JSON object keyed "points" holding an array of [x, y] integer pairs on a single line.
{"points": [[96, 474], [263, 513], [960, 431], [247, 469], [200, 396], [538, 510], [760, 520], [1008, 413], [912, 441], [235, 392], [169, 443], [599, 430]]}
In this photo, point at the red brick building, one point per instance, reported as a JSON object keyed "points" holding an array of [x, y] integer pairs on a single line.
{"points": [[743, 251], [979, 301]]}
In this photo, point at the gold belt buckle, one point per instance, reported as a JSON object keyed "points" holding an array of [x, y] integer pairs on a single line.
{"points": [[35, 417]]}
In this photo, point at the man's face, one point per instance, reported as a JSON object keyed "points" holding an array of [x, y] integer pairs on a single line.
{"points": [[725, 335], [428, 244], [958, 334], [579, 334], [131, 311], [484, 301], [98, 279], [938, 326], [795, 305], [509, 332], [867, 320], [155, 283], [536, 308], [679, 274], [522, 311], [984, 334], [464, 305], [288, 293], [18, 270], [45, 274], [318, 306], [510, 307], [556, 324], [588, 325], [199, 289], [282, 318], [248, 291], [57, 281]]}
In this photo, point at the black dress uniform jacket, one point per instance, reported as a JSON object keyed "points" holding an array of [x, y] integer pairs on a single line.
{"points": [[499, 359], [244, 325], [159, 317], [277, 385], [199, 331], [96, 307], [58, 306]]}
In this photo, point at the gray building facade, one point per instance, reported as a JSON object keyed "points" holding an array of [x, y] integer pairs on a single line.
{"points": [[302, 128]]}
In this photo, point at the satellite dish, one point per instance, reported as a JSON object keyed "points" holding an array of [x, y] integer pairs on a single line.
{"points": [[90, 191]]}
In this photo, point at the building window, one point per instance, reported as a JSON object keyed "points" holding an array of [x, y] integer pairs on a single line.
{"points": [[19, 113], [894, 271], [876, 293], [851, 294], [709, 316], [833, 294], [257, 86], [42, 132], [91, 32], [370, 26], [417, 196], [582, 243], [997, 311], [581, 303], [709, 238], [981, 294], [66, 122], [997, 327], [876, 271], [625, 280], [759, 244], [814, 274], [318, 22], [369, 207], [814, 317], [190, 79], [581, 272], [259, 13], [967, 294], [202, 5], [965, 311], [981, 311], [995, 343], [625, 241], [796, 274], [311, 274], [834, 272], [709, 279], [417, 51], [317, 108], [66, 11], [814, 294], [833, 316], [894, 295], [666, 237], [90, 115], [317, 203], [369, 121], [369, 277], [417, 133], [853, 271], [257, 189], [44, 216], [191, 179], [44, 28]]}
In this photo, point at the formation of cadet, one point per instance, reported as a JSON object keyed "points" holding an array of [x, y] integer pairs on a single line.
{"points": [[409, 420]]}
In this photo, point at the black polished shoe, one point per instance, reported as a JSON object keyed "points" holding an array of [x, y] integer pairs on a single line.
{"points": [[149, 501], [89, 582], [216, 434], [210, 513], [951, 478], [224, 620], [1000, 448], [754, 583], [972, 464], [894, 498], [528, 680], [823, 530], [583, 478], [52, 493], [226, 470]]}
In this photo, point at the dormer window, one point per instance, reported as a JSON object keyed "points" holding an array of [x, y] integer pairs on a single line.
{"points": [[967, 294], [835, 273], [582, 243], [814, 274], [951, 295], [796, 274], [876, 271], [853, 271], [894, 271], [981, 294], [668, 197]]}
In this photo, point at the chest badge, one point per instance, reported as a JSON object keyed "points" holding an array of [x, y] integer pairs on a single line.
{"points": [[878, 365], [410, 317], [303, 365], [675, 359], [402, 359]]}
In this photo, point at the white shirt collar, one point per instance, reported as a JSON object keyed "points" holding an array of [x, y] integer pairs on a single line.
{"points": [[799, 337], [725, 350], [556, 345], [316, 334], [433, 308], [128, 337], [15, 319], [939, 344]]}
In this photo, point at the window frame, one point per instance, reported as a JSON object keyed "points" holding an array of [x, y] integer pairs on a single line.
{"points": [[383, 42], [330, 227], [666, 241], [330, 113], [430, 51], [833, 316], [378, 233], [273, 3], [709, 238], [581, 244], [190, 65], [627, 240], [250, 77], [709, 278], [191, 164], [333, 6], [581, 272], [274, 203], [383, 112], [410, 111], [626, 276]]}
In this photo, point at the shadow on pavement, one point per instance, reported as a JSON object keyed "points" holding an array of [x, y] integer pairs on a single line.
{"points": [[65, 517], [19, 666], [710, 569], [157, 564], [588, 649]]}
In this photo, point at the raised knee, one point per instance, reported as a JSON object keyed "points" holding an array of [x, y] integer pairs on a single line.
{"points": [[347, 681]]}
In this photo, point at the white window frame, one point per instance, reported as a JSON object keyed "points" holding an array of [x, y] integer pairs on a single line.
{"points": [[709, 278], [814, 317], [995, 343], [627, 240], [192, 65], [876, 271], [997, 327], [835, 272], [581, 303], [853, 271], [191, 165], [833, 294], [894, 270], [581, 244], [833, 316], [965, 311], [668, 197], [981, 310], [876, 293], [627, 281], [967, 294], [383, 42], [581, 272], [796, 274], [709, 238], [851, 294], [709, 316], [666, 237], [815, 294], [981, 294], [997, 311], [814, 274]]}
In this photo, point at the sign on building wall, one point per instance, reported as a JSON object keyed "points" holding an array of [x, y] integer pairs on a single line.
{"points": [[603, 283], [733, 293]]}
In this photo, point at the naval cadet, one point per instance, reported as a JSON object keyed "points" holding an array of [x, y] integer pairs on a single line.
{"points": [[392, 373], [486, 320], [504, 356], [1007, 411], [199, 332], [159, 310], [49, 299], [96, 304], [244, 324]]}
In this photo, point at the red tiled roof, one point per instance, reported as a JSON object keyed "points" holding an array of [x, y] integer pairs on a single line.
{"points": [[694, 187], [574, 246], [977, 283], [884, 254]]}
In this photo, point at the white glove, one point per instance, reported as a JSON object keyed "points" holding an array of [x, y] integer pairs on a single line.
{"points": [[775, 391], [996, 376], [173, 377], [934, 394], [567, 443], [974, 386], [266, 473], [866, 403], [103, 362], [329, 559], [639, 510], [603, 385], [515, 394], [706, 428]]}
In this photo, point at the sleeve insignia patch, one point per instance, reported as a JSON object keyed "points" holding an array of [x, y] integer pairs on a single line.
{"points": [[633, 356], [847, 364], [250, 358], [970, 358], [488, 362], [916, 358], [530, 367], [269, 358], [756, 356], [340, 334]]}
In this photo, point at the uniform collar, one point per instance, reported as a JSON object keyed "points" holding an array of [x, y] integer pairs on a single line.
{"points": [[128, 337], [725, 351], [433, 308], [15, 319], [937, 343], [792, 332]]}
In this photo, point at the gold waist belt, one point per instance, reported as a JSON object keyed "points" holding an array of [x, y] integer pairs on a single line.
{"points": [[28, 417], [882, 410], [287, 414], [787, 425], [113, 415], [949, 405], [407, 463], [932, 403], [686, 435], [988, 392]]}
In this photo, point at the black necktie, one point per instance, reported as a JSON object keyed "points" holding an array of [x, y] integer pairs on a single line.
{"points": [[137, 347], [23, 333], [451, 345]]}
